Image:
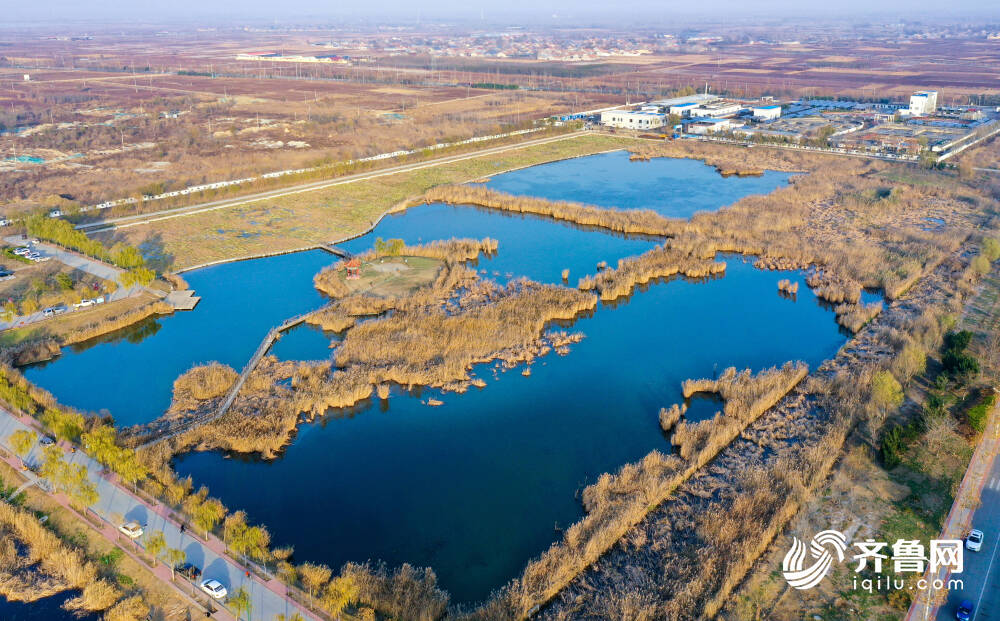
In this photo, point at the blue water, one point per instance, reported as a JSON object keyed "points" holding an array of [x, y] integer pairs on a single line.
{"points": [[241, 301], [478, 486], [46, 609], [673, 187], [130, 374], [474, 488]]}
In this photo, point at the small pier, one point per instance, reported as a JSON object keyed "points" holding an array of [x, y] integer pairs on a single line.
{"points": [[184, 299]]}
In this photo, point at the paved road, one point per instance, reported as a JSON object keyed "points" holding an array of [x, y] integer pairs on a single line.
{"points": [[117, 504], [982, 569], [128, 221], [76, 261]]}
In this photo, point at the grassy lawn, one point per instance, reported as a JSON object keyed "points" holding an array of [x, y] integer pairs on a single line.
{"points": [[393, 276], [298, 220]]}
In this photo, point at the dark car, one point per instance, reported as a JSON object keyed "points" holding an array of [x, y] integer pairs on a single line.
{"points": [[964, 612], [189, 571]]}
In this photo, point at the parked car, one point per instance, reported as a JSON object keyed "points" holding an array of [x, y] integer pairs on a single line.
{"points": [[974, 541], [964, 612], [52, 311], [5, 222], [46, 441], [132, 530], [189, 571], [214, 588], [84, 303], [23, 250], [56, 213]]}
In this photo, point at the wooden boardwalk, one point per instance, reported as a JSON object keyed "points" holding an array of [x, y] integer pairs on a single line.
{"points": [[171, 430], [337, 250]]}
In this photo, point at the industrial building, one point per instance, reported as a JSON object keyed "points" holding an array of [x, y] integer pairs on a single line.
{"points": [[766, 113], [923, 103], [683, 109], [716, 110], [633, 119], [705, 125], [700, 98]]}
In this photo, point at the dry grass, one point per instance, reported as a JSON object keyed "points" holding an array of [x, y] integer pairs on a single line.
{"points": [[47, 565], [117, 322], [747, 396], [692, 258], [615, 503], [633, 221], [205, 382], [855, 316]]}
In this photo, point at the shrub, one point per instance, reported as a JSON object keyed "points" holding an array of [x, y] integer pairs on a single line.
{"points": [[892, 447], [978, 413], [957, 364]]}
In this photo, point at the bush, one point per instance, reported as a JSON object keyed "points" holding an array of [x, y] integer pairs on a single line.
{"points": [[977, 414], [957, 364], [990, 249]]}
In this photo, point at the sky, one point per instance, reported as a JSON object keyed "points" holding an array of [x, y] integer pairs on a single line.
{"points": [[552, 11]]}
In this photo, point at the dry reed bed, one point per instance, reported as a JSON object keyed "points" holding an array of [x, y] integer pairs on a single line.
{"points": [[35, 563], [709, 533], [432, 338], [118, 322], [434, 346], [837, 218], [689, 257], [631, 221], [787, 286], [616, 503], [855, 316], [261, 419]]}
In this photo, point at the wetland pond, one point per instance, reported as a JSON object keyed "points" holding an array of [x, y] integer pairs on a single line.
{"points": [[480, 485]]}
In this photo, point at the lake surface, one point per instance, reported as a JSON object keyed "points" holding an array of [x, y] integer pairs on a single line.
{"points": [[676, 188], [476, 487], [45, 609]]}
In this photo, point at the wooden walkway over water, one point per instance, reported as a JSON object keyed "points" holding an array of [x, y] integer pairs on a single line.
{"points": [[336, 250], [172, 429]]}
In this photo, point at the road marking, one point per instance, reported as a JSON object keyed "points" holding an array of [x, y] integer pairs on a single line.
{"points": [[986, 578]]}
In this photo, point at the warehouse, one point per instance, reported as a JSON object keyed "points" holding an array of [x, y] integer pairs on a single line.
{"points": [[717, 110], [766, 113], [703, 125]]}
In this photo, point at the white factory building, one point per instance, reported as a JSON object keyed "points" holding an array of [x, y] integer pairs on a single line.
{"points": [[705, 125], [766, 113], [633, 119], [683, 109], [923, 103], [717, 110]]}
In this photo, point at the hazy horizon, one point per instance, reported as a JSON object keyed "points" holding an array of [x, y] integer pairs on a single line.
{"points": [[545, 13]]}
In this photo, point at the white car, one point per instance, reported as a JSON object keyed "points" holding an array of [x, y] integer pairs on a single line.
{"points": [[214, 588], [5, 222], [23, 250], [132, 530], [975, 540], [84, 303]]}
